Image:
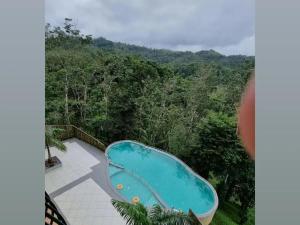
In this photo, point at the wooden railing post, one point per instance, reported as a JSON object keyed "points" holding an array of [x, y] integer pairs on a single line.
{"points": [[73, 131]]}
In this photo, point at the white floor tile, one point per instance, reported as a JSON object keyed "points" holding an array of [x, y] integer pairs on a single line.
{"points": [[88, 204], [76, 162]]}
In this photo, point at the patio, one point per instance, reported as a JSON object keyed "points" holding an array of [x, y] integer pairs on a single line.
{"points": [[80, 187]]}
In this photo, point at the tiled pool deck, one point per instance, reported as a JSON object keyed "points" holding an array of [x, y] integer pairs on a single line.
{"points": [[79, 187]]}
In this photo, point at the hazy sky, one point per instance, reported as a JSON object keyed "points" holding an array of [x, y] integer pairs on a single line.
{"points": [[226, 26]]}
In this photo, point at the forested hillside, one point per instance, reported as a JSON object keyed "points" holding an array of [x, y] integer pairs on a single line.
{"points": [[184, 62], [168, 56], [182, 102]]}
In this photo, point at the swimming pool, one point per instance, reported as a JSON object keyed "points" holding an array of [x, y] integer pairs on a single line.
{"points": [[156, 177]]}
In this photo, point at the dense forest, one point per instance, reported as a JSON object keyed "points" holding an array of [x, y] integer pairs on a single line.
{"points": [[183, 102]]}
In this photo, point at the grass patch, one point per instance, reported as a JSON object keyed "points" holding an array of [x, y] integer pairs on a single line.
{"points": [[251, 217], [227, 215], [221, 218]]}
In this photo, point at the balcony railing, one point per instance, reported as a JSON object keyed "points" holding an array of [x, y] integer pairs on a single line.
{"points": [[52, 214], [71, 131]]}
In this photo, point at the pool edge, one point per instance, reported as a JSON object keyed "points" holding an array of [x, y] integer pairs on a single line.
{"points": [[205, 218]]}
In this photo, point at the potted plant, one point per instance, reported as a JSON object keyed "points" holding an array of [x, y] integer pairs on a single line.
{"points": [[52, 138]]}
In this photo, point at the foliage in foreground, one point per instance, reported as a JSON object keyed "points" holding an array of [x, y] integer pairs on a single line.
{"points": [[137, 214], [140, 215]]}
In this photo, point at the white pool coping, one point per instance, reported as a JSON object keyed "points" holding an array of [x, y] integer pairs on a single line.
{"points": [[216, 202]]}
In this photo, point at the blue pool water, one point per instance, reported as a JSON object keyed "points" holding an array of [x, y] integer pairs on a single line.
{"points": [[157, 178], [133, 187]]}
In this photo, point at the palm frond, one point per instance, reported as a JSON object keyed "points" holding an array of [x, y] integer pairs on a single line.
{"points": [[52, 138], [169, 217], [57, 131], [139, 215], [133, 214], [58, 144]]}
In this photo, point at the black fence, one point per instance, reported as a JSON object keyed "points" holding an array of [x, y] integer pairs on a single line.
{"points": [[52, 215]]}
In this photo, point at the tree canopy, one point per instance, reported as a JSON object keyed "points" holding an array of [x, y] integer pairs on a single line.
{"points": [[182, 102]]}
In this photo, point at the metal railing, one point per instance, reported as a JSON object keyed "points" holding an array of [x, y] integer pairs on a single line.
{"points": [[52, 215]]}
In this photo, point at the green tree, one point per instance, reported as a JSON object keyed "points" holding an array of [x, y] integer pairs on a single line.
{"points": [[219, 151], [216, 145]]}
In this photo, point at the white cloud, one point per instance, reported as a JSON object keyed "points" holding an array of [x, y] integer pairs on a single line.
{"points": [[244, 47], [224, 25]]}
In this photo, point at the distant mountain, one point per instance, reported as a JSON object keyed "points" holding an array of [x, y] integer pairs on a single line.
{"points": [[174, 57]]}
